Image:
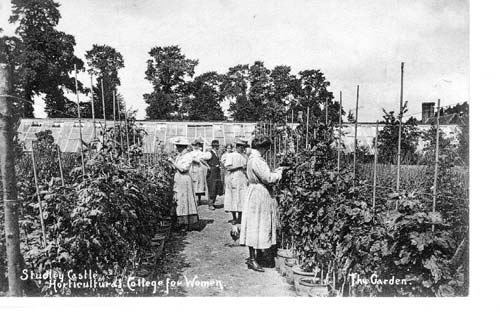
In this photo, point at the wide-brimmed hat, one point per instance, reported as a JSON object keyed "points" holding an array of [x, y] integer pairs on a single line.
{"points": [[180, 141], [241, 142]]}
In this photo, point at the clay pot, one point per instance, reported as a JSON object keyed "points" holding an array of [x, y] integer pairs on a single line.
{"points": [[282, 255], [289, 263], [310, 287], [298, 273]]}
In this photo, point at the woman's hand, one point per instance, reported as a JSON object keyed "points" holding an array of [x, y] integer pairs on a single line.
{"points": [[281, 168]]}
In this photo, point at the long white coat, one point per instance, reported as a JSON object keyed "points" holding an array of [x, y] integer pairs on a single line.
{"points": [[259, 217], [236, 182], [187, 212]]}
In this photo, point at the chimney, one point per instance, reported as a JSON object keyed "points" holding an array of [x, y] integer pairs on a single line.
{"points": [[427, 111]]}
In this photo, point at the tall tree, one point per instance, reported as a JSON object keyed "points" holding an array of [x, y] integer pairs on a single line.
{"points": [[167, 70], [204, 97], [459, 109], [259, 94], [284, 94], [332, 109], [46, 57], [104, 62], [313, 93], [235, 89], [388, 139]]}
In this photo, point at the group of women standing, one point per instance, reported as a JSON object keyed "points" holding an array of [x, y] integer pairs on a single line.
{"points": [[248, 192]]}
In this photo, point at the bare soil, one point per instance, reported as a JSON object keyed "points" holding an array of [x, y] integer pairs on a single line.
{"points": [[207, 262]]}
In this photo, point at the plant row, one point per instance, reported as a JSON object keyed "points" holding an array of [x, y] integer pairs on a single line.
{"points": [[103, 221], [328, 224]]}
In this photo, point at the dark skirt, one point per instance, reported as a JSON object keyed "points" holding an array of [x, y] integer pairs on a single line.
{"points": [[214, 182]]}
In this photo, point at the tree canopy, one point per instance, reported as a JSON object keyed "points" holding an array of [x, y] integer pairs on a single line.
{"points": [[167, 70], [42, 57], [388, 139], [313, 92], [104, 62], [204, 97]]}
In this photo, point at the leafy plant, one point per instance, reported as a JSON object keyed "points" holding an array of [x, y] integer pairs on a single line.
{"points": [[325, 217], [388, 139], [103, 221]]}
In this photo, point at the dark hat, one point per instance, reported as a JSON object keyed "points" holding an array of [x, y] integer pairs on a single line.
{"points": [[215, 142]]}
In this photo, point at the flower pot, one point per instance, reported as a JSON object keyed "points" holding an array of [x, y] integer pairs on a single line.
{"points": [[310, 287], [283, 254], [289, 263], [298, 273]]}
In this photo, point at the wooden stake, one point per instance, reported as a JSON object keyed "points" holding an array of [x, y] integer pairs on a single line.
{"points": [[9, 183], [398, 175], [154, 150], [307, 129], [326, 113], [274, 145], [375, 167], [133, 134], [356, 133], [119, 111], [128, 140], [280, 149], [103, 107], [114, 108], [340, 133], [40, 208], [436, 162], [79, 123], [60, 165], [92, 103]]}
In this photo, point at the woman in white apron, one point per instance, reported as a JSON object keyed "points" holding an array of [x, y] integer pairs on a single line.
{"points": [[187, 212], [228, 149], [237, 182], [258, 225], [199, 169]]}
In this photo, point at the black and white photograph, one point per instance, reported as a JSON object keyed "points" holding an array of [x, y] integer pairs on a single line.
{"points": [[231, 148]]}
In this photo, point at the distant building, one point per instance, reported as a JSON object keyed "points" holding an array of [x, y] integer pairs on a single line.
{"points": [[429, 116], [158, 133], [427, 111], [156, 137]]}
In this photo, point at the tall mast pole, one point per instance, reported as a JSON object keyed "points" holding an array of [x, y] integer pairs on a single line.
{"points": [[400, 126], [92, 103], [103, 106]]}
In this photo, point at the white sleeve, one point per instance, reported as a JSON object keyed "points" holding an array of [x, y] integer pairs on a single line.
{"points": [[263, 172], [228, 160], [205, 155], [184, 162]]}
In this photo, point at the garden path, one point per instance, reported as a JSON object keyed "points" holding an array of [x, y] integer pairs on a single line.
{"points": [[210, 255]]}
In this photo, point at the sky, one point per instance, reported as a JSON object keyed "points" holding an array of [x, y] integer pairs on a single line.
{"points": [[353, 42]]}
